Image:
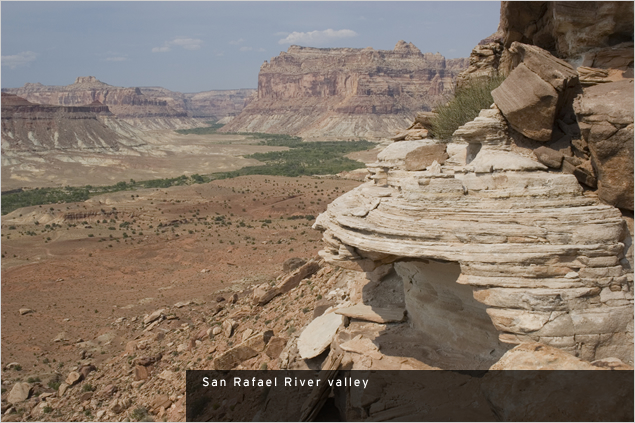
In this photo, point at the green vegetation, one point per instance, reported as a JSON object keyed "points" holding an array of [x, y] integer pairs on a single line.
{"points": [[38, 196], [302, 159], [464, 107], [140, 414]]}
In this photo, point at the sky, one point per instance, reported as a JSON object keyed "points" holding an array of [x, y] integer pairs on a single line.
{"points": [[214, 45]]}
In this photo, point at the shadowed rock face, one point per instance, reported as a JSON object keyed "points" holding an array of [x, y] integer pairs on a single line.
{"points": [[346, 92], [567, 29]]}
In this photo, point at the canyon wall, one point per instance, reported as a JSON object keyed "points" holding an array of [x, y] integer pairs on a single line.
{"points": [[29, 127], [141, 105], [345, 92]]}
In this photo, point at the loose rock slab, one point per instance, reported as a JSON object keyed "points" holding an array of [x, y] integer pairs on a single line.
{"points": [[373, 314], [319, 334]]}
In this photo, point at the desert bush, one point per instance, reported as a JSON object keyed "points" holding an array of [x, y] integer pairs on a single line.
{"points": [[464, 107]]}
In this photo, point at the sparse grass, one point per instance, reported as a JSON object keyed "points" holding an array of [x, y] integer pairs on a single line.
{"points": [[139, 414], [464, 107], [88, 388], [54, 384]]}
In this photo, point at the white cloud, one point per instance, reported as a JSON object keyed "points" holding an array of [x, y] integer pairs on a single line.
{"points": [[116, 59], [317, 37], [245, 48], [20, 59], [186, 43], [236, 42]]}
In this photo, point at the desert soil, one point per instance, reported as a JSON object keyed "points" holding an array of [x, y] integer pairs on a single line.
{"points": [[129, 253]]}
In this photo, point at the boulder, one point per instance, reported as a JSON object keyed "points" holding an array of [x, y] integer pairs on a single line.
{"points": [[423, 156], [20, 392], [228, 327], [264, 293], [241, 352], [275, 346], [160, 401], [528, 103], [425, 119], [317, 336], [534, 92], [294, 279], [549, 157], [292, 264], [86, 369], [73, 378], [153, 316]]}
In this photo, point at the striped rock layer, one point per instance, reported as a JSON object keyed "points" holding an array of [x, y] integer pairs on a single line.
{"points": [[547, 260]]}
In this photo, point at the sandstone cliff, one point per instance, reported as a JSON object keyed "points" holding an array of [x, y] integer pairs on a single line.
{"points": [[346, 92], [29, 127], [129, 104]]}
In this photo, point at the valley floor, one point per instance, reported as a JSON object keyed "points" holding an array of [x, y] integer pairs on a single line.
{"points": [[78, 266]]}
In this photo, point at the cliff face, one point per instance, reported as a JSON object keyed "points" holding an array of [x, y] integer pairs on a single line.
{"points": [[345, 92], [155, 104], [218, 104], [131, 104], [567, 29], [29, 127]]}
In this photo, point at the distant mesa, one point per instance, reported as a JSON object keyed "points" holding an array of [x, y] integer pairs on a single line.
{"points": [[346, 93], [146, 107]]}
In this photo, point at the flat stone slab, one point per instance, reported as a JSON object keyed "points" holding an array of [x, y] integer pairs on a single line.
{"points": [[373, 314], [319, 334]]}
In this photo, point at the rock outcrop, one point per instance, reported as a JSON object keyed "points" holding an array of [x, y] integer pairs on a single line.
{"points": [[345, 92], [568, 30], [490, 245]]}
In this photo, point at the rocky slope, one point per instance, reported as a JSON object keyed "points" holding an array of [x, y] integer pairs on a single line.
{"points": [[345, 92]]}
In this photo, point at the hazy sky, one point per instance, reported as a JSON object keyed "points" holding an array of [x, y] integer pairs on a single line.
{"points": [[199, 46]]}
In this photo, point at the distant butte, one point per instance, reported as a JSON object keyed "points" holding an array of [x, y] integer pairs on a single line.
{"points": [[346, 92]]}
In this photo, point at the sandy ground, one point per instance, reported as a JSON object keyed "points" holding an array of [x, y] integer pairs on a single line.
{"points": [[129, 253], [166, 155]]}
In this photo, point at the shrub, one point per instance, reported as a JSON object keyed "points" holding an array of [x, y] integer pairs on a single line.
{"points": [[464, 107]]}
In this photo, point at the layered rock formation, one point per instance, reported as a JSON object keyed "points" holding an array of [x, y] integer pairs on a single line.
{"points": [[490, 244], [218, 104], [29, 127], [128, 104], [346, 92]]}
